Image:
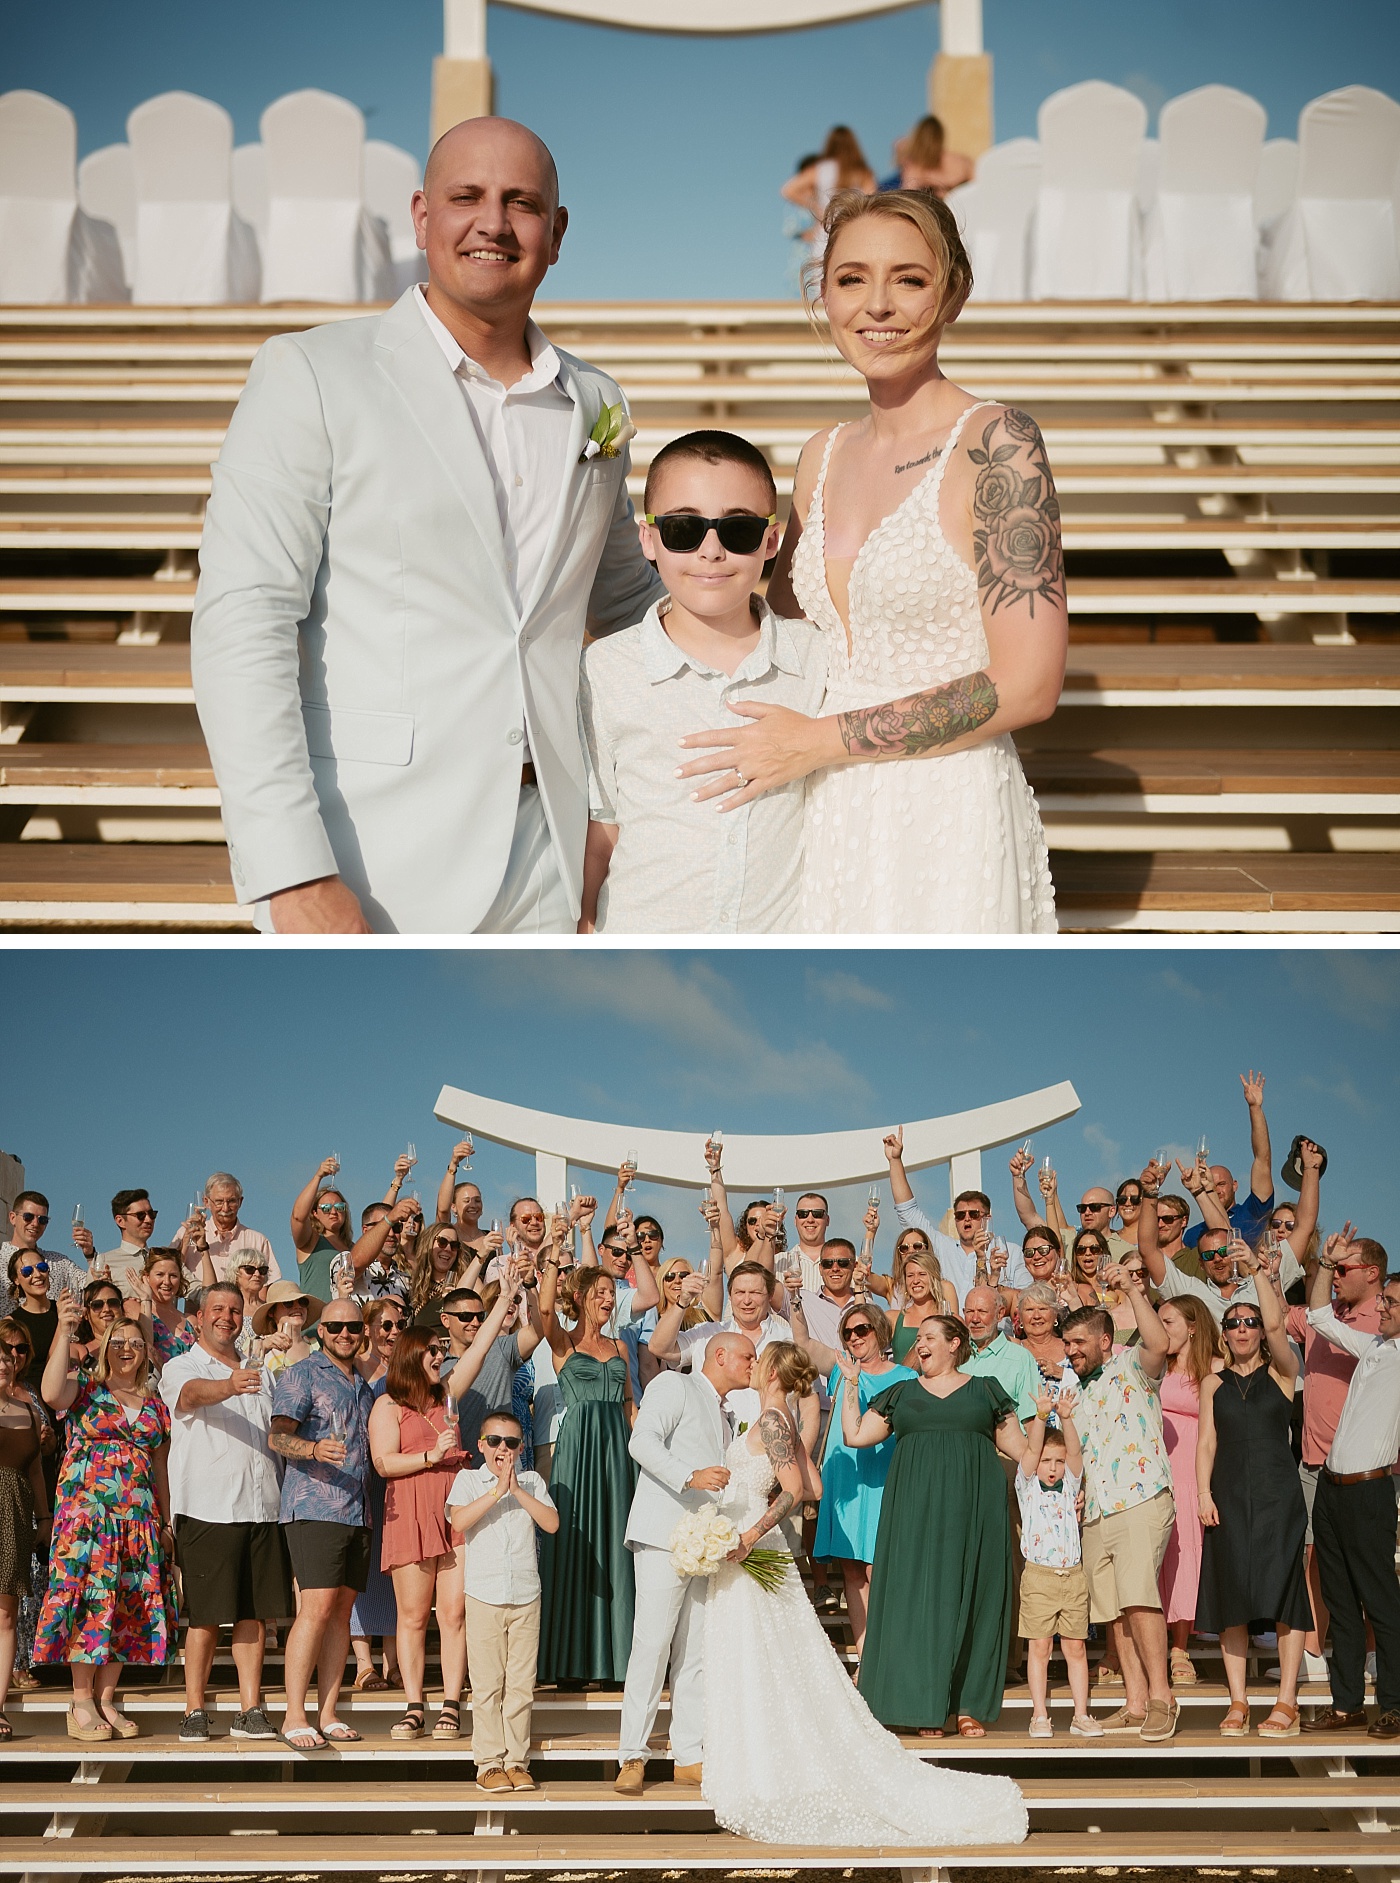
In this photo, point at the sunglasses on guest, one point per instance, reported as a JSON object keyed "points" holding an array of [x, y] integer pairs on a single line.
{"points": [[33, 1268], [1242, 1320], [387, 1326], [32, 1216], [970, 1216], [446, 1242], [459, 1314], [682, 533], [1084, 1209], [342, 1327], [855, 1329], [510, 1440], [836, 1262], [818, 1215]]}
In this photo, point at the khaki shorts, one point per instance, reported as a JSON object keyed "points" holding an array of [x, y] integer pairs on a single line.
{"points": [[1123, 1555], [1054, 1602]]}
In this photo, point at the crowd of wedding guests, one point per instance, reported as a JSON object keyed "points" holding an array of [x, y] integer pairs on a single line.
{"points": [[1177, 1414]]}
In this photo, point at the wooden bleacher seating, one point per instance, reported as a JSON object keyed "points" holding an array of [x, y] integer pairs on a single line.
{"points": [[1231, 497]]}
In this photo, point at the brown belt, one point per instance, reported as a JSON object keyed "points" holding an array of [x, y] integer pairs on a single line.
{"points": [[527, 777], [1355, 1477]]}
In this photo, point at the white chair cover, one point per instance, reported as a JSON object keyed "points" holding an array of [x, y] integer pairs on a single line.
{"points": [[181, 152], [38, 196], [1338, 242], [998, 207], [250, 188], [107, 193], [1085, 242], [1276, 186], [391, 177], [1199, 235], [314, 149]]}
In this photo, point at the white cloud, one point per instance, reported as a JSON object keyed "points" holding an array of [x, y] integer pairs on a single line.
{"points": [[1342, 1091], [688, 1005], [1108, 1151], [838, 988], [1176, 983], [1360, 986]]}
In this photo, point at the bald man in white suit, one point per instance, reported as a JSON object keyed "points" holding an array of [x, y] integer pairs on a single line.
{"points": [[408, 533]]}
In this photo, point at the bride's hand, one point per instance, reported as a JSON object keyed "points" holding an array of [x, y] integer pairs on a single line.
{"points": [[741, 1548], [781, 745]]}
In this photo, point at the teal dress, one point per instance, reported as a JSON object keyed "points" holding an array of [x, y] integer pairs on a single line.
{"points": [[586, 1567], [853, 1482], [314, 1269], [940, 1589]]}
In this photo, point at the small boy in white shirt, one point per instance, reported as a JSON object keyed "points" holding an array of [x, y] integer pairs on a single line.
{"points": [[1054, 1589], [498, 1511], [662, 856]]}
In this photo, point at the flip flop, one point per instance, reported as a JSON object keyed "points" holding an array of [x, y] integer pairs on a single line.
{"points": [[340, 1734], [305, 1738]]}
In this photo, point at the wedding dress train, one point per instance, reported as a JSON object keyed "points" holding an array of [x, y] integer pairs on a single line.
{"points": [[792, 1753]]}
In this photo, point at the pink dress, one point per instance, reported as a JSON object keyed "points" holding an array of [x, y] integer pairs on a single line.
{"points": [[415, 1507], [1181, 1567]]}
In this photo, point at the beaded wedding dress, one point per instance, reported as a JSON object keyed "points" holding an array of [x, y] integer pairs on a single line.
{"points": [[947, 845], [792, 1753]]}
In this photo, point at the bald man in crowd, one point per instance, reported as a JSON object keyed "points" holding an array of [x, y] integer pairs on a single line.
{"points": [[414, 516]]}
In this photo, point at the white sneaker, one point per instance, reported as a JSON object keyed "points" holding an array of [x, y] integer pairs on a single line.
{"points": [[1315, 1668], [1040, 1726], [1085, 1726]]}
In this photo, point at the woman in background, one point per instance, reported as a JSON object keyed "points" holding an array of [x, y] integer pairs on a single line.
{"points": [[926, 163], [1193, 1354]]}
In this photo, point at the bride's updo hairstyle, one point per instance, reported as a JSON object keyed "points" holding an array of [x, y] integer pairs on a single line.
{"points": [[790, 1366], [937, 229]]}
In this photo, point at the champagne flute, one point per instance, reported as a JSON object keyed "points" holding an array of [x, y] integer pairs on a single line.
{"points": [[872, 1196], [1026, 1148], [335, 1163], [77, 1215], [471, 1151], [717, 1139], [778, 1198], [629, 1171], [412, 1152], [1202, 1149]]}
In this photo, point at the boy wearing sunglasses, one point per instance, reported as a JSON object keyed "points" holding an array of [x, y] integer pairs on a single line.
{"points": [[663, 855], [496, 1509]]}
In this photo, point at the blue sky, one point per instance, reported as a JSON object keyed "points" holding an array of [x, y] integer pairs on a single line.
{"points": [[155, 1066], [672, 149]]}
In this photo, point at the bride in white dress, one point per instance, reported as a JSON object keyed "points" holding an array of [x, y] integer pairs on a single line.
{"points": [[792, 1753], [924, 540]]}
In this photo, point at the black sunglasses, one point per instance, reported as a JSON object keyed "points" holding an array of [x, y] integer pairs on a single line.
{"points": [[842, 1262], [740, 535], [816, 1213], [1213, 1255], [510, 1440], [392, 1327], [456, 1314], [853, 1331], [1242, 1320], [342, 1327], [32, 1216], [1084, 1208]]}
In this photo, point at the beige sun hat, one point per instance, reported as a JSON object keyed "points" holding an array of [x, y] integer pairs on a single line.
{"points": [[281, 1291]]}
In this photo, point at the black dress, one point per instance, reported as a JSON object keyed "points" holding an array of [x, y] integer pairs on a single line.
{"points": [[1252, 1561]]}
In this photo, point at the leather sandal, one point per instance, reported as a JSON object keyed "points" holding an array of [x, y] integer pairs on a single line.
{"points": [[969, 1728], [448, 1724], [1235, 1724], [411, 1725], [1282, 1722]]}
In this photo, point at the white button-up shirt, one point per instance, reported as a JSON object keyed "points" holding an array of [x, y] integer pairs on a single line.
{"points": [[221, 1470], [524, 432], [500, 1563], [680, 867], [1368, 1432]]}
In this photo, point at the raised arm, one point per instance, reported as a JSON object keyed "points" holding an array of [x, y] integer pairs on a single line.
{"points": [[1065, 1405], [823, 1358], [714, 1155], [1031, 1217], [58, 1386], [858, 1429], [1035, 1435], [1201, 1184], [712, 1295], [1261, 1175], [447, 1189], [1282, 1359], [893, 1146], [1309, 1200], [1152, 1336], [464, 1373], [662, 1341], [370, 1245], [1149, 1245], [305, 1229]]}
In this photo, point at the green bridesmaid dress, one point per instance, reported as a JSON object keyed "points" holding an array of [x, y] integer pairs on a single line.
{"points": [[585, 1567], [940, 1588]]}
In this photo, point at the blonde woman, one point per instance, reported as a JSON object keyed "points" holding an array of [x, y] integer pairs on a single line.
{"points": [[441, 1262], [919, 1290], [155, 1303], [924, 539], [109, 1599], [671, 1280]]}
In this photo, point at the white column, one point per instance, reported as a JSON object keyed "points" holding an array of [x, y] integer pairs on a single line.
{"points": [[964, 1170], [464, 29], [959, 27], [551, 1175]]}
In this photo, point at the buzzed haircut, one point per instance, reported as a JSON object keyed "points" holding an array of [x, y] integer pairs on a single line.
{"points": [[839, 1242], [711, 447], [503, 1415], [457, 1299]]}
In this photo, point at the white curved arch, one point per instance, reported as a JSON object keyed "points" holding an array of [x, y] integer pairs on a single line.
{"points": [[753, 1163], [713, 16]]}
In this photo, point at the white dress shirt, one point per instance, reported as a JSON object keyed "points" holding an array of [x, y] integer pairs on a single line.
{"points": [[500, 1564], [1368, 1432], [524, 433], [743, 1405], [221, 1470], [1176, 1282]]}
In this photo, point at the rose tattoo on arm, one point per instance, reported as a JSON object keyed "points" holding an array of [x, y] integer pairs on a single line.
{"points": [[1016, 543], [1017, 538]]}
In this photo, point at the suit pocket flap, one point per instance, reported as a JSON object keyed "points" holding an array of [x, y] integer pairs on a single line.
{"points": [[347, 733]]}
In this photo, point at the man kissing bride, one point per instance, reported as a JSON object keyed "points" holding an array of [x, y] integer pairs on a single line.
{"points": [[418, 516], [764, 1718]]}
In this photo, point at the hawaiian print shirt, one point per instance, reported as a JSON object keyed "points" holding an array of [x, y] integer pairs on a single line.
{"points": [[1120, 1426], [325, 1404], [1049, 1527]]}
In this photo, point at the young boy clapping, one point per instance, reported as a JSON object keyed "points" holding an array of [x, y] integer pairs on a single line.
{"points": [[660, 859]]}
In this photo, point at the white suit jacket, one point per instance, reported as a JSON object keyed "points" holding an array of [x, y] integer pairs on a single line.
{"points": [[363, 677], [680, 1428]]}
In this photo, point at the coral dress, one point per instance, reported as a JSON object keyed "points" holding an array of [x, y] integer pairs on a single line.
{"points": [[947, 845], [1181, 1566], [415, 1508], [110, 1596]]}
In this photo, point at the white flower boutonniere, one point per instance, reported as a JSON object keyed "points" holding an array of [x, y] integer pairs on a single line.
{"points": [[612, 429]]}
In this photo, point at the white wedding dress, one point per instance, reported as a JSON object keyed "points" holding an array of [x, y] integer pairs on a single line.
{"points": [[792, 1753], [942, 845]]}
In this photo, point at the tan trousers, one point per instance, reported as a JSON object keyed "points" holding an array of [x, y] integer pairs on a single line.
{"points": [[502, 1649]]}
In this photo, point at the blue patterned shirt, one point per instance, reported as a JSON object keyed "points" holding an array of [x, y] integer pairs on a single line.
{"points": [[317, 1394]]}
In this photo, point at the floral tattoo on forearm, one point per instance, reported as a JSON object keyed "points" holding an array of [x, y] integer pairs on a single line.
{"points": [[1016, 541], [921, 722]]}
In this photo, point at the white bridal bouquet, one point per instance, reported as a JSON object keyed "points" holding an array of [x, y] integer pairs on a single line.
{"points": [[702, 1540]]}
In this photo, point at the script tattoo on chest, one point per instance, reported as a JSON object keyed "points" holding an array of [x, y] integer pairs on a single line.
{"points": [[915, 463]]}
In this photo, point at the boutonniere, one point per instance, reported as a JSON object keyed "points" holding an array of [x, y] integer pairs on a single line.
{"points": [[612, 429], [741, 1428]]}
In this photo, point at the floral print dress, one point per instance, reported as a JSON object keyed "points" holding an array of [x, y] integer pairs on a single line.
{"points": [[110, 1596]]}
